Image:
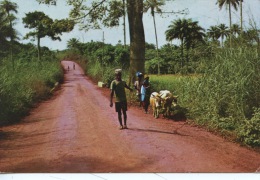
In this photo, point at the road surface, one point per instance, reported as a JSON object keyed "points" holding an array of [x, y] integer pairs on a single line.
{"points": [[76, 131]]}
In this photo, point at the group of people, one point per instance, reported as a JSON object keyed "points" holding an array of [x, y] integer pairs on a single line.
{"points": [[73, 67], [142, 86]]}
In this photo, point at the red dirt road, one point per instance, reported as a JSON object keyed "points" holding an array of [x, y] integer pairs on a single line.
{"points": [[77, 131]]}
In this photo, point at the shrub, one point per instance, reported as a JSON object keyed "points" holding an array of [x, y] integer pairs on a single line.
{"points": [[249, 131], [27, 84]]}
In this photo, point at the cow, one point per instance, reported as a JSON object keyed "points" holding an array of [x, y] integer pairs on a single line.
{"points": [[155, 102], [167, 100]]}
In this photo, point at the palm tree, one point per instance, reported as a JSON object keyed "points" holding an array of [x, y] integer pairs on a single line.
{"points": [[154, 5], [213, 32], [73, 43], [235, 30], [223, 30], [4, 33], [9, 7], [4, 28], [176, 30], [187, 31], [229, 3], [195, 34]]}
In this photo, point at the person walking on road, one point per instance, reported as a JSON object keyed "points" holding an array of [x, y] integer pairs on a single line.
{"points": [[145, 94], [137, 86], [118, 88]]}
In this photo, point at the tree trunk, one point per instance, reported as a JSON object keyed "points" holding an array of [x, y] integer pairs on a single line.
{"points": [[241, 17], [137, 38], [157, 51], [12, 39], [182, 53], [124, 25], [39, 48], [230, 25]]}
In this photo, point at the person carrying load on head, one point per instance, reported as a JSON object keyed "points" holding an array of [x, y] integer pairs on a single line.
{"points": [[118, 88]]}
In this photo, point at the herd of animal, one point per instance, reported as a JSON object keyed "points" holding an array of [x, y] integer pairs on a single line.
{"points": [[162, 102]]}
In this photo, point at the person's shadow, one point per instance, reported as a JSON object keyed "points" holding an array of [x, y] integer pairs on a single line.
{"points": [[174, 132]]}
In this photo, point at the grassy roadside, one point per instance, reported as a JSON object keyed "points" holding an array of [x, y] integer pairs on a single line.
{"points": [[28, 84], [225, 99]]}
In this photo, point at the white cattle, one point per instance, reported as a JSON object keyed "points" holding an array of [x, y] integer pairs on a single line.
{"points": [[168, 100], [155, 102]]}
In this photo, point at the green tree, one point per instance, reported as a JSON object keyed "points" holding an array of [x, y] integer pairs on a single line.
{"points": [[4, 32], [223, 30], [235, 30], [45, 26], [176, 30], [229, 4], [187, 31], [154, 5], [73, 43], [9, 7], [213, 32], [195, 35], [252, 37]]}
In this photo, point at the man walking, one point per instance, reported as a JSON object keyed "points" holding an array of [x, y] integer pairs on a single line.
{"points": [[118, 88]]}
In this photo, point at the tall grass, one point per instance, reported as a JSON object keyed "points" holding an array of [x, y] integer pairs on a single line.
{"points": [[226, 97], [27, 84], [229, 94]]}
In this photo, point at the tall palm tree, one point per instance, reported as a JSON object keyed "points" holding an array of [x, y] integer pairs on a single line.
{"points": [[4, 33], [176, 30], [213, 32], [9, 7], [228, 4], [235, 30], [195, 34], [187, 31], [154, 5], [223, 30], [4, 28], [73, 43]]}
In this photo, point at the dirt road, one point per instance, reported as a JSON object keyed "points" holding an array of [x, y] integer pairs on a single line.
{"points": [[77, 131]]}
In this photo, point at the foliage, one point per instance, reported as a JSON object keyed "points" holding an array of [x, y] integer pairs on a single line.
{"points": [[43, 26], [188, 32], [228, 91], [4, 31], [28, 83], [249, 131], [225, 97], [100, 59], [21, 90]]}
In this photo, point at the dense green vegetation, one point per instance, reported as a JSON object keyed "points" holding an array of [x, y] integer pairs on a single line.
{"points": [[226, 98], [30, 81]]}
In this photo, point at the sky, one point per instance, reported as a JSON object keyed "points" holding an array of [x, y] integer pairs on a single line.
{"points": [[206, 12]]}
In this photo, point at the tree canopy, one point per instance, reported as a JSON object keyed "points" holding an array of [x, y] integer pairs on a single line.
{"points": [[44, 26]]}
